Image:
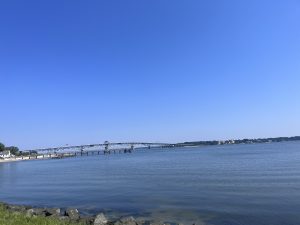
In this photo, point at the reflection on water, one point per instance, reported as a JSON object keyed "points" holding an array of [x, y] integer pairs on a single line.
{"points": [[238, 184]]}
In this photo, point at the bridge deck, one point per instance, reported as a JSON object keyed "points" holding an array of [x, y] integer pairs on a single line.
{"points": [[86, 147]]}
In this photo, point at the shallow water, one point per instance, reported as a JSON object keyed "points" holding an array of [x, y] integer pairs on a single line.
{"points": [[235, 184]]}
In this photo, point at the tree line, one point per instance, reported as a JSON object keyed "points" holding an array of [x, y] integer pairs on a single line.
{"points": [[13, 149]]}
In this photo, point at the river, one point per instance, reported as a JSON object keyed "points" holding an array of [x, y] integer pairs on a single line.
{"points": [[221, 185]]}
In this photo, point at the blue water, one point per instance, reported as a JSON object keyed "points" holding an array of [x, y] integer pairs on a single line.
{"points": [[223, 185]]}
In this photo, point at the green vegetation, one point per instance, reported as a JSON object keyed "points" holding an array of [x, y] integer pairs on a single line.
{"points": [[16, 218], [13, 149]]}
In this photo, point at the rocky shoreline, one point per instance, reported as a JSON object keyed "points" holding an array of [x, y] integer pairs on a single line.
{"points": [[73, 215]]}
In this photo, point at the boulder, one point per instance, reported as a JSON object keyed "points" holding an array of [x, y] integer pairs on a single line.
{"points": [[140, 221], [158, 223], [16, 208], [64, 218], [35, 212], [53, 212], [100, 219], [87, 220], [126, 221], [73, 214]]}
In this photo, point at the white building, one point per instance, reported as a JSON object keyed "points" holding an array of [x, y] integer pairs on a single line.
{"points": [[5, 154]]}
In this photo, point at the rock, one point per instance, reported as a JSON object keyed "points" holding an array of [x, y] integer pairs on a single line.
{"points": [[141, 222], [73, 214], [88, 220], [158, 223], [35, 212], [100, 219], [52, 212], [64, 218], [39, 211], [29, 213], [16, 208], [126, 221]]}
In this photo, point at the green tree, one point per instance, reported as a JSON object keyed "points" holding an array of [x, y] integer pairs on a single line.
{"points": [[2, 147], [13, 150]]}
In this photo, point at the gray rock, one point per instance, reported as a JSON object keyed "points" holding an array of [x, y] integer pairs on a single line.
{"points": [[16, 208], [29, 212], [87, 220], [158, 223], [140, 221], [35, 212], [73, 214], [126, 221], [100, 219], [64, 218], [53, 212]]}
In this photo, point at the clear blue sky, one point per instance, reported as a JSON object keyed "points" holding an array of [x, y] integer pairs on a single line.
{"points": [[79, 72]]}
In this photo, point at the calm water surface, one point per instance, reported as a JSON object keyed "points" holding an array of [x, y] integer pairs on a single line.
{"points": [[223, 185]]}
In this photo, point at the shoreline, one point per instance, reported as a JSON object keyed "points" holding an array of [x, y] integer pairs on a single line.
{"points": [[74, 216], [38, 157]]}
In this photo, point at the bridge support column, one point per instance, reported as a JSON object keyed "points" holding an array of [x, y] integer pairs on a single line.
{"points": [[81, 151], [131, 148]]}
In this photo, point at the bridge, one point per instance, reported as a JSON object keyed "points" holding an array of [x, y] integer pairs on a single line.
{"points": [[105, 148]]}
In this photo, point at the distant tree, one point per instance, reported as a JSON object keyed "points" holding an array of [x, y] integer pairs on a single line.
{"points": [[13, 150], [2, 147]]}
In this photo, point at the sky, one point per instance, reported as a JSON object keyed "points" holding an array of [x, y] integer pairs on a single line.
{"points": [[82, 72]]}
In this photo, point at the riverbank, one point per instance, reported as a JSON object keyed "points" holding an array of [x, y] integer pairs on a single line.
{"points": [[27, 215], [10, 217], [38, 157]]}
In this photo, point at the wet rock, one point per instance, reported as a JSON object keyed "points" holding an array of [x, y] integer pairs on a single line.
{"points": [[73, 214], [54, 212], [100, 219]]}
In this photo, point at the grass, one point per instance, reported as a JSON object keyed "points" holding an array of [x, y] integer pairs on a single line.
{"points": [[14, 218]]}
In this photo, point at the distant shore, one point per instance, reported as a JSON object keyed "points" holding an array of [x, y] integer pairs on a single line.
{"points": [[239, 141], [184, 144], [37, 157]]}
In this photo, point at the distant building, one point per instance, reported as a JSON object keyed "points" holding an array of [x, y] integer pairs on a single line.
{"points": [[5, 154]]}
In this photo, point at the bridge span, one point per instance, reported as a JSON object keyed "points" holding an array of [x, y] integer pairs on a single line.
{"points": [[105, 147]]}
